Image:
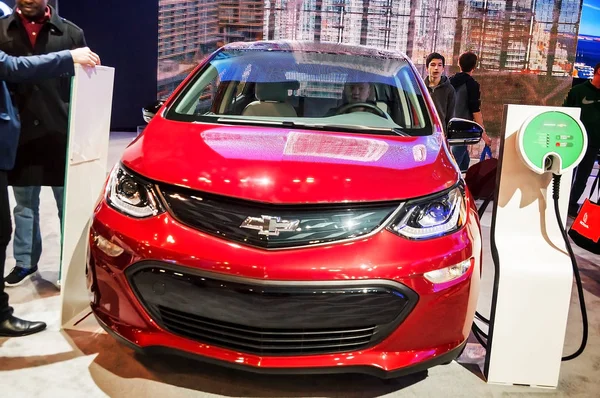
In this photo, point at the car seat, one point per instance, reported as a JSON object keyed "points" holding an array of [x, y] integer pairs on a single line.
{"points": [[271, 100]]}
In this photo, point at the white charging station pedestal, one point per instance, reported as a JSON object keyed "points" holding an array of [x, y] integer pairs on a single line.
{"points": [[534, 276]]}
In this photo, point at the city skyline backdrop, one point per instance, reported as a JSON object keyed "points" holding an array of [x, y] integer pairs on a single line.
{"points": [[520, 43]]}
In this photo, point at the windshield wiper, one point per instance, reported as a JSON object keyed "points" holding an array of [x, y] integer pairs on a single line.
{"points": [[358, 128], [319, 126], [252, 121]]}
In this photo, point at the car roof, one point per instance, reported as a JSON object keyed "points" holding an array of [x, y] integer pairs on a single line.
{"points": [[317, 47]]}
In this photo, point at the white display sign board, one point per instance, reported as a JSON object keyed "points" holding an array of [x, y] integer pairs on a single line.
{"points": [[534, 276], [89, 130]]}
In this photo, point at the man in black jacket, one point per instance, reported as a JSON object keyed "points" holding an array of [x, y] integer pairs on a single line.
{"points": [[35, 28], [587, 97], [21, 69], [468, 103]]}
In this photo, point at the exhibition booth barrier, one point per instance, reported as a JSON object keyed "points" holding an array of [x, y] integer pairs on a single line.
{"points": [[533, 267], [86, 171]]}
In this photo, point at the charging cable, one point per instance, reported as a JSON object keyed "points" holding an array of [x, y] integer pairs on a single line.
{"points": [[555, 193]]}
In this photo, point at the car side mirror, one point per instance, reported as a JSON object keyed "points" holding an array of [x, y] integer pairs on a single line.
{"points": [[148, 112], [463, 132]]}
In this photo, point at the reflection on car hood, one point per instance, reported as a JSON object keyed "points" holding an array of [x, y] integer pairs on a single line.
{"points": [[279, 165]]}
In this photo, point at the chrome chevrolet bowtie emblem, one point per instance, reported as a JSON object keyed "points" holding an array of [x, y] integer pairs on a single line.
{"points": [[270, 226]]}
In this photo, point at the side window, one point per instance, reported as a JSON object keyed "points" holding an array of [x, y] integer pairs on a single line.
{"points": [[233, 99], [239, 90], [238, 93], [206, 98], [198, 101], [410, 101]]}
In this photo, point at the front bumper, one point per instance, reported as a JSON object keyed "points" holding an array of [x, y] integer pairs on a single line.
{"points": [[363, 369], [429, 332]]}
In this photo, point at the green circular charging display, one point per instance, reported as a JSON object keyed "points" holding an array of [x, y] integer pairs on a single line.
{"points": [[552, 133]]}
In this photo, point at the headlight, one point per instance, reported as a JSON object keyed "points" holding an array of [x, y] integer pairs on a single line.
{"points": [[431, 217], [131, 195]]}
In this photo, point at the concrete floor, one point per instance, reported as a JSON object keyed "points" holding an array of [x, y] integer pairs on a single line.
{"points": [[86, 362]]}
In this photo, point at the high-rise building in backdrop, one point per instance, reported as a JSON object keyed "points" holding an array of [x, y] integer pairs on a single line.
{"points": [[527, 36], [191, 29]]}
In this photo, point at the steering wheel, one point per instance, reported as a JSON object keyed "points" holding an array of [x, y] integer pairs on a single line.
{"points": [[370, 108]]}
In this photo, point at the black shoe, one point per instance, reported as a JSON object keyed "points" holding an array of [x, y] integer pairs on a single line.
{"points": [[19, 275], [15, 327]]}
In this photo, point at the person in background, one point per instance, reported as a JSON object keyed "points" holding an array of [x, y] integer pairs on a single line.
{"points": [[18, 70], [468, 104], [439, 87], [35, 28], [587, 97]]}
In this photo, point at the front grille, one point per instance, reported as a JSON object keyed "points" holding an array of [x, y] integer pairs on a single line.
{"points": [[273, 226], [270, 318], [266, 341]]}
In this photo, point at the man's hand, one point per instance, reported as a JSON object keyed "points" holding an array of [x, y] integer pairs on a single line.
{"points": [[85, 57], [486, 138]]}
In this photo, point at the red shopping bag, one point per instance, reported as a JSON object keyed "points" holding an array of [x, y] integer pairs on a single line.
{"points": [[585, 230], [481, 178]]}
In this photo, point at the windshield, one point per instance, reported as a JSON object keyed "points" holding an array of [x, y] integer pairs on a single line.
{"points": [[304, 89]]}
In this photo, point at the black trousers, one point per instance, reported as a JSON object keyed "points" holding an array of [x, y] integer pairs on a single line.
{"points": [[580, 178], [5, 233]]}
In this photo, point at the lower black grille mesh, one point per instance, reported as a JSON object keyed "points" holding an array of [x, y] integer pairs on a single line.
{"points": [[266, 341], [270, 318]]}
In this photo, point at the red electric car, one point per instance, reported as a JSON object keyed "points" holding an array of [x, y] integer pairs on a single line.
{"points": [[292, 207]]}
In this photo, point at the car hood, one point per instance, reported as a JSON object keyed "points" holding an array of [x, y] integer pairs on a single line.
{"points": [[291, 166]]}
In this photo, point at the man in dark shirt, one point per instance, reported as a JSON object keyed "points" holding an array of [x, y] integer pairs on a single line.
{"points": [[35, 28], [587, 97], [468, 103]]}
